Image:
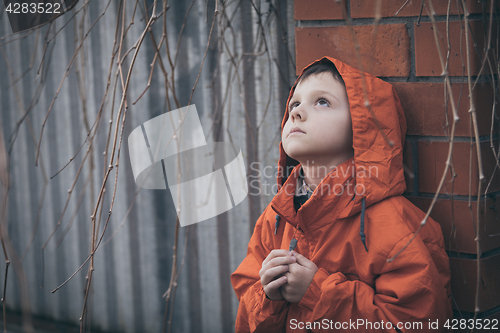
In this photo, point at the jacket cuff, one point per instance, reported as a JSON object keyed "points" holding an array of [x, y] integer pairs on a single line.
{"points": [[311, 297], [269, 306]]}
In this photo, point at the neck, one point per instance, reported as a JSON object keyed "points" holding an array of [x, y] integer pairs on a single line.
{"points": [[315, 172]]}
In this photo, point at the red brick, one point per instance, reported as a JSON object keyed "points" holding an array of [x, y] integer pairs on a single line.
{"points": [[317, 10], [458, 222], [408, 164], [463, 283], [366, 9], [386, 55], [431, 163], [426, 116], [427, 61]]}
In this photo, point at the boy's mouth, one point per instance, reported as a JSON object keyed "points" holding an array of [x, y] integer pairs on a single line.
{"points": [[296, 130]]}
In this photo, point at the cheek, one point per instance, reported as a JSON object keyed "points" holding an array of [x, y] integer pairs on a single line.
{"points": [[286, 129], [348, 124], [347, 133], [338, 134]]}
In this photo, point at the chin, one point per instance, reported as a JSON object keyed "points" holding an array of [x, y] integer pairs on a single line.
{"points": [[296, 149], [299, 157], [293, 153]]}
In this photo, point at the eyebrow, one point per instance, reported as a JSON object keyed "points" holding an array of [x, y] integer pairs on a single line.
{"points": [[326, 92], [320, 92]]}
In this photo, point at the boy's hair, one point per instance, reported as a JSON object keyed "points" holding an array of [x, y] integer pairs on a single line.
{"points": [[323, 66]]}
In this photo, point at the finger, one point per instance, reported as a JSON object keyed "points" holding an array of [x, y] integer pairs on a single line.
{"points": [[270, 274], [303, 261], [286, 288], [294, 268], [274, 254], [274, 285], [278, 261]]}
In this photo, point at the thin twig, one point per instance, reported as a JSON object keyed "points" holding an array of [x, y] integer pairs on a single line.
{"points": [[452, 134]]}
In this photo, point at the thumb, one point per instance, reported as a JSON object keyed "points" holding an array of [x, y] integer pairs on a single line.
{"points": [[301, 260]]}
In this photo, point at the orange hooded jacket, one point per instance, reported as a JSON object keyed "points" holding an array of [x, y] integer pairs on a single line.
{"points": [[350, 236]]}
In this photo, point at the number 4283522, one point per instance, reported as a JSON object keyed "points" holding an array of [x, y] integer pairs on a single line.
{"points": [[34, 8], [485, 324]]}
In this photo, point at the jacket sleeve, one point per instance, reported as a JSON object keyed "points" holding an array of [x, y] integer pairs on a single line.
{"points": [[256, 313], [409, 293]]}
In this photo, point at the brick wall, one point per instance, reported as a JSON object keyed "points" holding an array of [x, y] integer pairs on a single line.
{"points": [[404, 53]]}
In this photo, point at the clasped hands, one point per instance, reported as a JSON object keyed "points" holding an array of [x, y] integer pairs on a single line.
{"points": [[286, 275]]}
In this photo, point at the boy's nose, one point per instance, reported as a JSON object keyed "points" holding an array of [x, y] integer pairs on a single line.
{"points": [[297, 113]]}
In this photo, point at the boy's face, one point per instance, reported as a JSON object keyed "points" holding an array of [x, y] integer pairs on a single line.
{"points": [[319, 126]]}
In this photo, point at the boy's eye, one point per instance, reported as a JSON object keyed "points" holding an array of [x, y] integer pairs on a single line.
{"points": [[292, 105], [322, 101]]}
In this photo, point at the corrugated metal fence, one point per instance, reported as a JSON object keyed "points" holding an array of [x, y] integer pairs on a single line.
{"points": [[240, 97]]}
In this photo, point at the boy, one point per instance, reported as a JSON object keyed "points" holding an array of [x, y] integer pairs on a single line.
{"points": [[318, 259]]}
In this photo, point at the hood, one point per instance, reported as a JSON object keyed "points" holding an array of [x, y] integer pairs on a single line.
{"points": [[378, 138]]}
